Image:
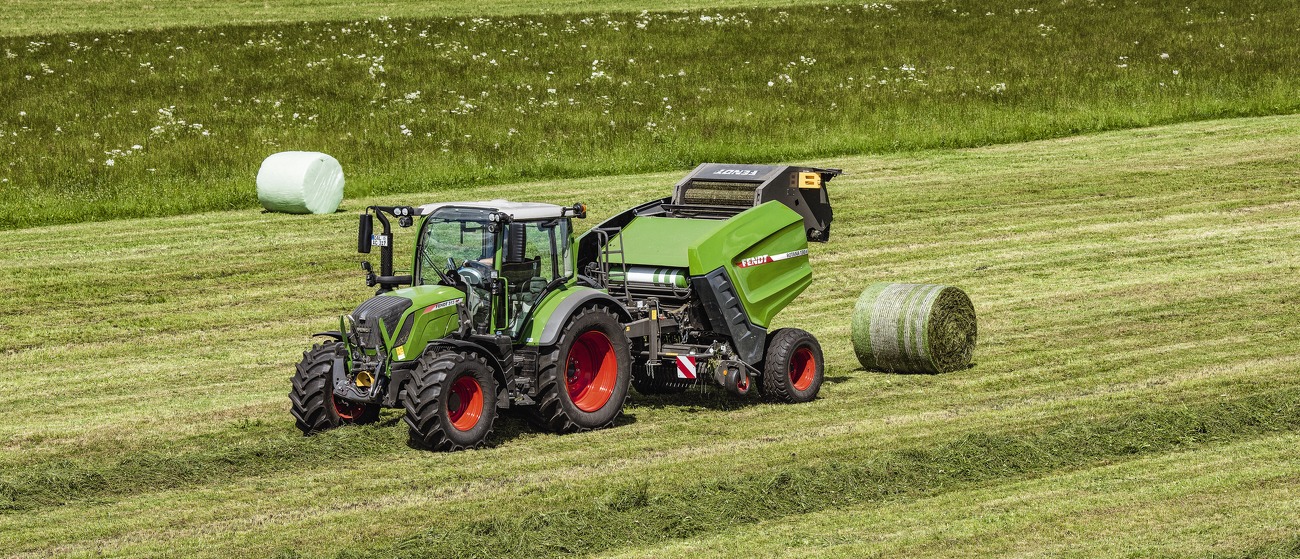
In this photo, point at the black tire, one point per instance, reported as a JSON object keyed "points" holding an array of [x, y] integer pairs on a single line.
{"points": [[793, 368], [311, 398], [451, 401], [567, 404]]}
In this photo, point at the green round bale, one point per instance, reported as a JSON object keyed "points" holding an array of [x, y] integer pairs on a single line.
{"points": [[913, 328]]}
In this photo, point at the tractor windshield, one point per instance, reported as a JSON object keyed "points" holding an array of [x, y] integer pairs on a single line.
{"points": [[461, 234]]}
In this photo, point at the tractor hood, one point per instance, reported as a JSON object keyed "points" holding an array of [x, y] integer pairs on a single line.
{"points": [[424, 297], [387, 321]]}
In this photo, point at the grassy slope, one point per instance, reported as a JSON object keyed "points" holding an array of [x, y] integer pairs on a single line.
{"points": [[32, 17], [1136, 294], [1167, 505], [142, 124]]}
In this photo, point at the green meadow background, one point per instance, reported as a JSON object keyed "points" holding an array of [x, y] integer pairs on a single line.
{"points": [[149, 122]]}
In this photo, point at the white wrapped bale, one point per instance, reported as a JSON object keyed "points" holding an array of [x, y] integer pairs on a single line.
{"points": [[300, 182]]}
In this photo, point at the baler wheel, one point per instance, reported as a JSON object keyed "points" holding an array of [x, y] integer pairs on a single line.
{"points": [[583, 380], [451, 401], [312, 400], [792, 368]]}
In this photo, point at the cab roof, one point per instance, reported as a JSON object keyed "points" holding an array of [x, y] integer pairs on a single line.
{"points": [[516, 210]]}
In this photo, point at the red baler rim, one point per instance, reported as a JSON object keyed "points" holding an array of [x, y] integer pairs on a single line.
{"points": [[803, 367]]}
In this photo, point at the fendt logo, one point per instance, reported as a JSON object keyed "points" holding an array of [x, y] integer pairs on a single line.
{"points": [[443, 305], [737, 172], [769, 258]]}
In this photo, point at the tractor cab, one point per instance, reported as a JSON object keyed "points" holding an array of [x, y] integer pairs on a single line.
{"points": [[504, 255]]}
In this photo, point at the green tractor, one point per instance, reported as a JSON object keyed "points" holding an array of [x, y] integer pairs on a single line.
{"points": [[505, 308]]}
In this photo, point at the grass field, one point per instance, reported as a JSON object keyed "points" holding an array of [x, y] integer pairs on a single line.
{"points": [[106, 124], [33, 17], [1134, 394]]}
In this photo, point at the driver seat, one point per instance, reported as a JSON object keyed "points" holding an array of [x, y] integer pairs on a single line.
{"points": [[519, 275]]}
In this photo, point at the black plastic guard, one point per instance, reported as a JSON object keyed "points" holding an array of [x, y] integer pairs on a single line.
{"points": [[727, 316]]}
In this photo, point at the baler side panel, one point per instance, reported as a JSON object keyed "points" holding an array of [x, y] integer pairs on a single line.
{"points": [[772, 238]]}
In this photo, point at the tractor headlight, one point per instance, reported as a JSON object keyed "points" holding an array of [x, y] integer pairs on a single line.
{"points": [[404, 333]]}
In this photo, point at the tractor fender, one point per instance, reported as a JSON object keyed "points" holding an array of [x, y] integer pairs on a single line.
{"points": [[570, 306], [498, 370]]}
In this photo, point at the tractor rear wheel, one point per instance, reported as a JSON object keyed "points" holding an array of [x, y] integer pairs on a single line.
{"points": [[583, 379], [312, 400], [792, 367], [451, 401]]}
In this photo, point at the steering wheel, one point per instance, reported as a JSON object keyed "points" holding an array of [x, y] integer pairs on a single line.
{"points": [[475, 273]]}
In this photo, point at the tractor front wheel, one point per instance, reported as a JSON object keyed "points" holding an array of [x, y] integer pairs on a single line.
{"points": [[793, 367], [451, 401], [312, 400], [583, 380]]}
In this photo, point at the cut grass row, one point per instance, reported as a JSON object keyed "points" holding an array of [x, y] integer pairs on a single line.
{"points": [[1199, 499], [1135, 291], [127, 124]]}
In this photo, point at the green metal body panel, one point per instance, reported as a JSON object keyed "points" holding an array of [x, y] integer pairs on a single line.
{"points": [[662, 241], [767, 230], [531, 333], [431, 322], [704, 245]]}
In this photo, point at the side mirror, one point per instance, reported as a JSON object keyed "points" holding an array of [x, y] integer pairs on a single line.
{"points": [[364, 231]]}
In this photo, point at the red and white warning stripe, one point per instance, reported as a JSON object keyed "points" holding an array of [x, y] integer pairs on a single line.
{"points": [[685, 367], [769, 258]]}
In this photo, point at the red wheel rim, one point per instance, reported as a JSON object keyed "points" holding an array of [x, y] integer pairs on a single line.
{"points": [[465, 403], [591, 371], [803, 367], [348, 411]]}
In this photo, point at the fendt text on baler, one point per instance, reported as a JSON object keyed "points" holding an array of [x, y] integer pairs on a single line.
{"points": [[504, 307]]}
